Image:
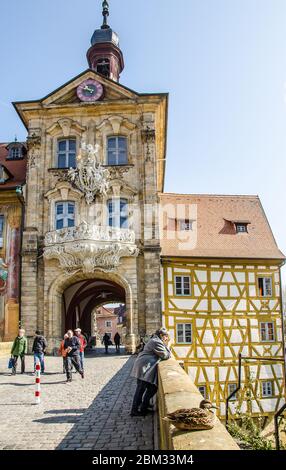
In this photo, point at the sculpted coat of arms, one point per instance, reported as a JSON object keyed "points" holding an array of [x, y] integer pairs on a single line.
{"points": [[90, 176]]}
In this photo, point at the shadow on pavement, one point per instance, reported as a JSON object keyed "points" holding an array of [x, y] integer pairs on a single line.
{"points": [[71, 411], [57, 419], [106, 423]]}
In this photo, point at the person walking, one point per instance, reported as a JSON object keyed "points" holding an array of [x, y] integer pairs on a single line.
{"points": [[19, 349], [39, 348], [145, 370], [63, 352], [72, 346], [117, 339], [106, 342], [83, 344]]}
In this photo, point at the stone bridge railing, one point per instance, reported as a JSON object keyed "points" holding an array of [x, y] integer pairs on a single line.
{"points": [[176, 390]]}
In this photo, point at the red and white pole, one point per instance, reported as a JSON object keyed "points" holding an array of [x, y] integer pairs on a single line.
{"points": [[38, 383]]}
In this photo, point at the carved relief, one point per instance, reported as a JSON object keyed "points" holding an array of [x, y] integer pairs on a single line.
{"points": [[90, 177], [116, 123], [148, 137], [34, 141], [89, 247], [66, 127], [117, 172]]}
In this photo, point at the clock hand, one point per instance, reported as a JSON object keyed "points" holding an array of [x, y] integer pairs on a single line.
{"points": [[87, 88]]}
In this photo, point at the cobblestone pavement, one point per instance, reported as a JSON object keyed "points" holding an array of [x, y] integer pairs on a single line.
{"points": [[86, 414]]}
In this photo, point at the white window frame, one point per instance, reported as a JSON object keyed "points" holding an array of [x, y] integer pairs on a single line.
{"points": [[65, 216], [265, 326], [241, 228], [184, 291], [265, 287], [15, 153], [108, 323], [116, 150], [266, 391], [184, 341], [230, 388], [117, 214], [66, 152]]}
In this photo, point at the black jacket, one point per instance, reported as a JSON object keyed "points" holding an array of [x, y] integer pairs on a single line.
{"points": [[39, 345], [73, 343]]}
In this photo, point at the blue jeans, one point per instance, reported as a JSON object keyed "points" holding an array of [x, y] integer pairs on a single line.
{"points": [[81, 356], [39, 356]]}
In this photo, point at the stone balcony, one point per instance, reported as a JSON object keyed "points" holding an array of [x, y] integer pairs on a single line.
{"points": [[88, 247]]}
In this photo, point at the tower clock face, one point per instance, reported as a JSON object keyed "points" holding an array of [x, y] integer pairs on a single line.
{"points": [[90, 90]]}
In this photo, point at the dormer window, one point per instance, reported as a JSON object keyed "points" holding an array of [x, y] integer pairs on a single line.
{"points": [[241, 227], [15, 151], [185, 225], [180, 225], [103, 67]]}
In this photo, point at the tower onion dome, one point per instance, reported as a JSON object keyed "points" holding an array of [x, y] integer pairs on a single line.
{"points": [[104, 55]]}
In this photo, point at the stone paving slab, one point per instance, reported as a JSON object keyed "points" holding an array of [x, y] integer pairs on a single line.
{"points": [[86, 414]]}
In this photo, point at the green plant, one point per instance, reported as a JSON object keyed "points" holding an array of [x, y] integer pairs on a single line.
{"points": [[248, 434]]}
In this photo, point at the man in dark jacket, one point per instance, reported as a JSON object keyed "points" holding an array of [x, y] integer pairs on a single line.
{"points": [[39, 348], [106, 342], [145, 370], [72, 346], [117, 339]]}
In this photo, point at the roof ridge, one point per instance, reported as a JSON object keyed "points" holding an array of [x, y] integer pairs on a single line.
{"points": [[256, 196]]}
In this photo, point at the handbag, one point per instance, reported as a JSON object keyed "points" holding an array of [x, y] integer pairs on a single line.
{"points": [[10, 363]]}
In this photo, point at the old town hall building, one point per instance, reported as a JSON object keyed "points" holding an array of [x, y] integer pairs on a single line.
{"points": [[97, 228]]}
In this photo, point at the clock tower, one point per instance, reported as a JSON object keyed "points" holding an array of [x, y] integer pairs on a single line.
{"points": [[104, 56]]}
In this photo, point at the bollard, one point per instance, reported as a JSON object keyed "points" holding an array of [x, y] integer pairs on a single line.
{"points": [[38, 383]]}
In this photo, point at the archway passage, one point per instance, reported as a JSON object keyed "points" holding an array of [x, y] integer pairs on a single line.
{"points": [[81, 298]]}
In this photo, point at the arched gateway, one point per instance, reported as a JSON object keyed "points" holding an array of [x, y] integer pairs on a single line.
{"points": [[72, 298]]}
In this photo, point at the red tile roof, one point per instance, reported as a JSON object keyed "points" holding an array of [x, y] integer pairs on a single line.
{"points": [[214, 233], [17, 168]]}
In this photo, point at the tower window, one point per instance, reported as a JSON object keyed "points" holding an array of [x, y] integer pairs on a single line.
{"points": [[182, 285], [241, 228], [265, 286], [67, 153], [267, 331], [117, 151], [103, 67], [118, 213], [65, 215]]}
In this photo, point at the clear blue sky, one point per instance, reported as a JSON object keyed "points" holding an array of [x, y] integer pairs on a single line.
{"points": [[222, 61]]}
